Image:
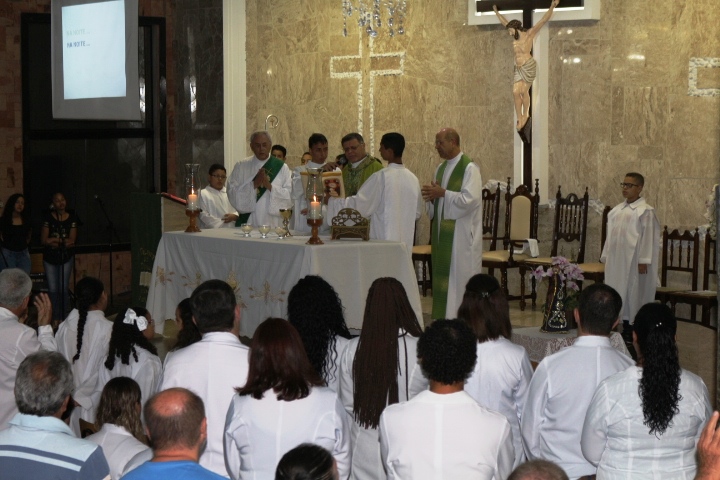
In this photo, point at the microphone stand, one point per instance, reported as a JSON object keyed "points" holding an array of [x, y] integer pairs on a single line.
{"points": [[111, 230]]}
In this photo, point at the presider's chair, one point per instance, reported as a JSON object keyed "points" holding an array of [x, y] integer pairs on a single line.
{"points": [[521, 221], [705, 298], [570, 226], [680, 254], [595, 271], [491, 216]]}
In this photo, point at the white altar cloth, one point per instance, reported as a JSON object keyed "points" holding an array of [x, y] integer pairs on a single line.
{"points": [[263, 271]]}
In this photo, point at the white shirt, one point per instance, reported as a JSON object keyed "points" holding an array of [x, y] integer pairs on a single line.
{"points": [[95, 344], [500, 382], [391, 199], [243, 195], [560, 392], [212, 368], [17, 341], [615, 439], [146, 372], [259, 432], [299, 221], [450, 436], [119, 447], [214, 205], [366, 460]]}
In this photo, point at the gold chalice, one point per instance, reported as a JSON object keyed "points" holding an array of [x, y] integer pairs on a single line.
{"points": [[285, 213]]}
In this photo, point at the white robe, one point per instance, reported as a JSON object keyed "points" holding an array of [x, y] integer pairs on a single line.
{"points": [[212, 368], [465, 207], [500, 382], [451, 436], [633, 237], [334, 357], [243, 196], [391, 199], [259, 432], [214, 205], [366, 460], [96, 341], [118, 446], [299, 221], [146, 372]]}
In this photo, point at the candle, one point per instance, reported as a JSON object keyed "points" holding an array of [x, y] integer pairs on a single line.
{"points": [[192, 202], [315, 210]]}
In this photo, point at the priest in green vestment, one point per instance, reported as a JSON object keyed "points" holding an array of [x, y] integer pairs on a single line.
{"points": [[454, 204], [360, 164]]}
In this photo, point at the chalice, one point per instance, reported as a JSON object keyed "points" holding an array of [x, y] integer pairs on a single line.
{"points": [[285, 213], [264, 230], [246, 228]]}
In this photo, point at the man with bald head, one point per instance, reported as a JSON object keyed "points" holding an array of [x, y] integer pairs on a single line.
{"points": [[454, 204], [260, 185]]}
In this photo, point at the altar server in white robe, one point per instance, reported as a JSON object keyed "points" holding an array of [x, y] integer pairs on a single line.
{"points": [[83, 339], [563, 384], [282, 405], [443, 432], [260, 185], [216, 209], [631, 249], [390, 198], [214, 366], [318, 144], [454, 205], [502, 372], [378, 368]]}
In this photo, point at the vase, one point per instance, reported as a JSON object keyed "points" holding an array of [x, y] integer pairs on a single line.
{"points": [[554, 315]]}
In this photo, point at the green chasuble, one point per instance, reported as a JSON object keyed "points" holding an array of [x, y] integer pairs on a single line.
{"points": [[272, 167], [442, 240], [353, 178]]}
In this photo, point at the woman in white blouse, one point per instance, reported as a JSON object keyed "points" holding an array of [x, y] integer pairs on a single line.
{"points": [[502, 372], [379, 368], [645, 422], [282, 405]]}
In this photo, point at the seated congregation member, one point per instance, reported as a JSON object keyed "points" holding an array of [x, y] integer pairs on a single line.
{"points": [[538, 470], [177, 430], [131, 353], [187, 331], [307, 462], [316, 312], [216, 209], [443, 432], [644, 422], [37, 444], [118, 418], [17, 340], [214, 366], [282, 405], [564, 383], [379, 368], [502, 372], [83, 339]]}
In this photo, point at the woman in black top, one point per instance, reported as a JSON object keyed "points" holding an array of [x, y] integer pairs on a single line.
{"points": [[15, 235], [58, 235]]}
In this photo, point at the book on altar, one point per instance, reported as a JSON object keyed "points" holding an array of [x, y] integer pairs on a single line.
{"points": [[331, 181]]}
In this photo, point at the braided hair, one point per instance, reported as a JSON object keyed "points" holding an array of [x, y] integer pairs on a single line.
{"points": [[377, 363], [124, 338], [88, 292]]}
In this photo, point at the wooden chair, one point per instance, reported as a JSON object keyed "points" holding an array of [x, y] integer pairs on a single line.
{"points": [[521, 221], [680, 253], [595, 271], [491, 213], [422, 254], [706, 298], [570, 226]]}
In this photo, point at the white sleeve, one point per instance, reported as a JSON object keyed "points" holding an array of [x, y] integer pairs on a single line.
{"points": [[521, 391], [280, 195], [241, 191], [468, 199], [532, 416], [346, 387], [506, 454], [235, 438], [595, 428], [342, 450], [384, 449], [649, 235], [207, 220]]}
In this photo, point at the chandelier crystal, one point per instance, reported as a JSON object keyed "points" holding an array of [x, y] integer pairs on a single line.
{"points": [[369, 13]]}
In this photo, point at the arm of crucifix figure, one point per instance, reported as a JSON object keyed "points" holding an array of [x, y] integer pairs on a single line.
{"points": [[502, 19], [536, 28]]}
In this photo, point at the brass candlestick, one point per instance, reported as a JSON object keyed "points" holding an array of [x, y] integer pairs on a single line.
{"points": [[192, 214], [314, 224], [285, 213]]}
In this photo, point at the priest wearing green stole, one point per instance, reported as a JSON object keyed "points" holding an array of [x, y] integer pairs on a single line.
{"points": [[360, 164], [261, 185], [454, 204]]}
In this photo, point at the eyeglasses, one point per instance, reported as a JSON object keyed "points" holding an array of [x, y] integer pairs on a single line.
{"points": [[220, 177], [628, 185]]}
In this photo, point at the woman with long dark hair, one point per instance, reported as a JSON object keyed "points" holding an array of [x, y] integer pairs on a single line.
{"points": [[188, 332], [282, 405], [131, 353], [83, 339], [316, 312], [15, 235], [379, 368], [645, 422], [502, 372]]}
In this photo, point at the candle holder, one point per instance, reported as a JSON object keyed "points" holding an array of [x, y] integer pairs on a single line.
{"points": [[314, 224], [314, 193], [192, 190], [192, 214]]}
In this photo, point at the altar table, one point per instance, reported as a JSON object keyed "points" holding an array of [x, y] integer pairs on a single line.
{"points": [[540, 345], [263, 271]]}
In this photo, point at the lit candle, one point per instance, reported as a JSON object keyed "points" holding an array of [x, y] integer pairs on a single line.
{"points": [[315, 210], [192, 202]]}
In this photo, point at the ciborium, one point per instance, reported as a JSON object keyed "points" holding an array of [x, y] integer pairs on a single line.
{"points": [[285, 213]]}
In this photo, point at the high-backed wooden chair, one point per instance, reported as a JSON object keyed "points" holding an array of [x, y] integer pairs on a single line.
{"points": [[705, 298], [570, 226], [680, 253], [521, 221], [595, 271], [491, 214]]}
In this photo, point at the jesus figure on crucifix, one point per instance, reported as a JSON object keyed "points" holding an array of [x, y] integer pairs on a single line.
{"points": [[525, 66]]}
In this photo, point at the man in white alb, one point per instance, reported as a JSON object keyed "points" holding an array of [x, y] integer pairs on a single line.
{"points": [[390, 198], [216, 209], [318, 145], [260, 185]]}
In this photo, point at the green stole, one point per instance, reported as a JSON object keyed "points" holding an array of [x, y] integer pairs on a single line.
{"points": [[272, 167], [443, 232]]}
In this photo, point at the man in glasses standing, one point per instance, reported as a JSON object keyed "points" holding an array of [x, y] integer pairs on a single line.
{"points": [[631, 250], [216, 209]]}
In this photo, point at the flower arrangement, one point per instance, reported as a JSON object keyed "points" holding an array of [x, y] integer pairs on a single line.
{"points": [[567, 272]]}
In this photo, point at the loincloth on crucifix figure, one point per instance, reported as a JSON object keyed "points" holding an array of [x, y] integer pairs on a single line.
{"points": [[525, 72]]}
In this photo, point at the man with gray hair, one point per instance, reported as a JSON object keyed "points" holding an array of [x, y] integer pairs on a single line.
{"points": [[38, 444], [538, 470], [17, 340], [260, 185]]}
